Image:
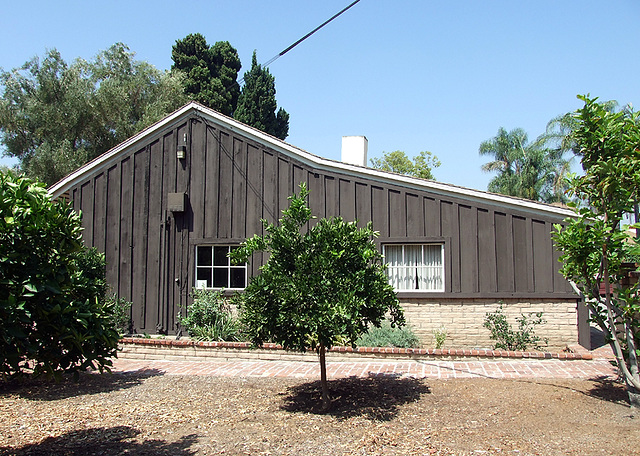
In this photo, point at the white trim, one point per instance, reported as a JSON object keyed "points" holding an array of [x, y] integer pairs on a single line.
{"points": [[316, 162]]}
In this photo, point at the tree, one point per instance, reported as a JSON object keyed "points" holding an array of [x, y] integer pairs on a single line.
{"points": [[595, 246], [257, 103], [211, 72], [397, 161], [530, 170], [56, 116], [52, 289], [323, 284]]}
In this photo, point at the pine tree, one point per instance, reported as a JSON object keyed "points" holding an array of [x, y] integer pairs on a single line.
{"points": [[210, 71], [257, 103]]}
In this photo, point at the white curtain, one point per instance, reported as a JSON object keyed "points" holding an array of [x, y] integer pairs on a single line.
{"points": [[415, 267]]}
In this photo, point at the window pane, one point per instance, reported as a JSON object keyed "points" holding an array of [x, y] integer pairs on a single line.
{"points": [[220, 256], [204, 256], [204, 274], [220, 278], [415, 267], [238, 277]]}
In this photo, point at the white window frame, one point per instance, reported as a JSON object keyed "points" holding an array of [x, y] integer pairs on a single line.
{"points": [[212, 267], [439, 270]]}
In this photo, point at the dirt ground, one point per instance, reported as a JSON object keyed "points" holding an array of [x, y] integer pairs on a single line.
{"points": [[154, 414]]}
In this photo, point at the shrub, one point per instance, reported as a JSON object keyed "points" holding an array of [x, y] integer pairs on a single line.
{"points": [[388, 336], [509, 339], [120, 310], [52, 308], [210, 317], [440, 336]]}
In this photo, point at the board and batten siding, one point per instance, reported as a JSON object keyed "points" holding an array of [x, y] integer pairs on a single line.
{"points": [[232, 182]]}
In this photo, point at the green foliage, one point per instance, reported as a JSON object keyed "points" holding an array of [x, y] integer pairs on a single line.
{"points": [[388, 336], [320, 285], [210, 317], [397, 161], [509, 339], [121, 313], [595, 245], [51, 288], [257, 103], [440, 336], [55, 116], [323, 283], [531, 170], [210, 72]]}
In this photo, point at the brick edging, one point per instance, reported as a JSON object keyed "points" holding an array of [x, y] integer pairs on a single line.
{"points": [[383, 351]]}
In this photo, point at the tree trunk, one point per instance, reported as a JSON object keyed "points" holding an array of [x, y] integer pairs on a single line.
{"points": [[326, 403]]}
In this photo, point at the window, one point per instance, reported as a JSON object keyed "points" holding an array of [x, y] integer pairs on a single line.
{"points": [[415, 266], [214, 268]]}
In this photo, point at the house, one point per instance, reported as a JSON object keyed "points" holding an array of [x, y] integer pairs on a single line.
{"points": [[166, 206]]}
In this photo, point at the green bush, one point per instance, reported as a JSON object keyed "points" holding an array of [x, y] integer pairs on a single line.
{"points": [[121, 313], [509, 339], [210, 317], [388, 336], [52, 309]]}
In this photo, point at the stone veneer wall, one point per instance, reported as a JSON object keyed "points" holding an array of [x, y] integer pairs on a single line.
{"points": [[463, 320]]}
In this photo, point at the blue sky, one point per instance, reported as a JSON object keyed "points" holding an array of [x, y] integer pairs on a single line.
{"points": [[413, 75]]}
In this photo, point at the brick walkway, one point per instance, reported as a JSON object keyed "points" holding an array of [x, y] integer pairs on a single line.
{"points": [[551, 368]]}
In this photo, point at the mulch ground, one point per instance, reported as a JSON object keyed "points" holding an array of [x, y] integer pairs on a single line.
{"points": [[154, 414]]}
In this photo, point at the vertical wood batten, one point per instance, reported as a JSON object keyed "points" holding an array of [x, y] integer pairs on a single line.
{"points": [[140, 228], [211, 182], [99, 212], [239, 185], [126, 219], [155, 228]]}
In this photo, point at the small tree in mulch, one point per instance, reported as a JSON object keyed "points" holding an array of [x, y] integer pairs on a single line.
{"points": [[323, 284]]}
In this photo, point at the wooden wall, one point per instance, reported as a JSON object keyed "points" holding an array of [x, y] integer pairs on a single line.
{"points": [[233, 182]]}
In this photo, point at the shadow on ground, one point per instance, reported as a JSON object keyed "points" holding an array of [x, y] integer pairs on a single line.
{"points": [[43, 389], [105, 442], [609, 390], [376, 397]]}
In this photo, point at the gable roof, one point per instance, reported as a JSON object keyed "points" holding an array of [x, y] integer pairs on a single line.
{"points": [[314, 161]]}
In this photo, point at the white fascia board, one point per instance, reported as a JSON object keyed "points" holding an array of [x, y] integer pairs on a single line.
{"points": [[319, 163], [105, 159]]}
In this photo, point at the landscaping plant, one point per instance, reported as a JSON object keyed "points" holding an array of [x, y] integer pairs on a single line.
{"points": [[440, 336], [52, 308], [210, 317], [388, 336], [324, 283], [595, 245], [508, 338]]}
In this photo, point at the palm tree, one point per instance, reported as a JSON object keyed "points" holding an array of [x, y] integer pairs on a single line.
{"points": [[531, 170]]}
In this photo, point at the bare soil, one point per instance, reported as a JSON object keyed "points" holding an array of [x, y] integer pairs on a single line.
{"points": [[154, 414]]}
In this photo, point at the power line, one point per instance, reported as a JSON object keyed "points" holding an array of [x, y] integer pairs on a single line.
{"points": [[276, 57]]}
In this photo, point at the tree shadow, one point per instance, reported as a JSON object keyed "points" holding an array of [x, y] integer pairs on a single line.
{"points": [[377, 397], [609, 390], [104, 442], [43, 389]]}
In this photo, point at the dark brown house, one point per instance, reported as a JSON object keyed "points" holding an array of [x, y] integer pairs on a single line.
{"points": [[166, 205]]}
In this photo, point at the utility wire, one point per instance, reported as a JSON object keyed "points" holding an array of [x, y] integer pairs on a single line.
{"points": [[276, 57]]}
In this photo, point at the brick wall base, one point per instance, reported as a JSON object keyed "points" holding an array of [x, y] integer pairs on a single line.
{"points": [[170, 349], [463, 320]]}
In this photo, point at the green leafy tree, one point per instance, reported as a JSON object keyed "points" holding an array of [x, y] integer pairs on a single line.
{"points": [[55, 116], [530, 170], [257, 103], [323, 284], [52, 289], [211, 72], [397, 161], [595, 244]]}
